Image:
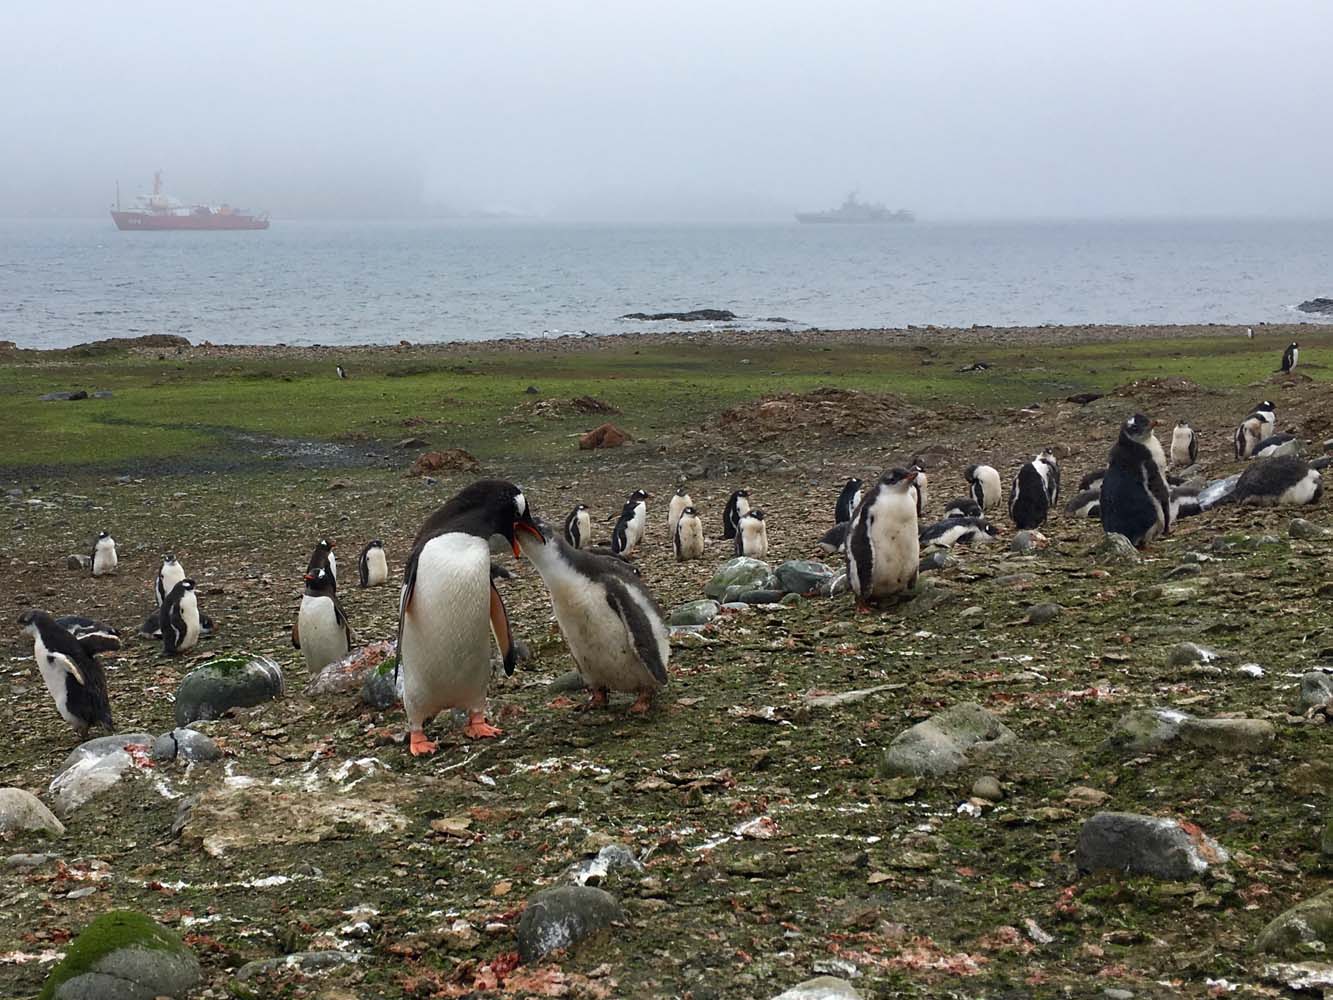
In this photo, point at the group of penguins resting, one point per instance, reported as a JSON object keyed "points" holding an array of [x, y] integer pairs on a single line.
{"points": [[450, 609]]}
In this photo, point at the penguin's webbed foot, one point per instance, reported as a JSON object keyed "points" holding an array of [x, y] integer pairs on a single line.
{"points": [[601, 698], [642, 704], [478, 728], [419, 745]]}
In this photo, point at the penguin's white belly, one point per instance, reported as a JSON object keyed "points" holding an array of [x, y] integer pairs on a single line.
{"points": [[333, 566], [754, 540], [691, 539], [1303, 492], [896, 558], [190, 616], [597, 637], [446, 648], [56, 678], [104, 559], [169, 579], [323, 640], [377, 568], [678, 505], [634, 530], [989, 480], [584, 526]]}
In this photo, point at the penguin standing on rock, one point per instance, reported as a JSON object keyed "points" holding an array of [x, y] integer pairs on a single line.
{"points": [[611, 622], [450, 609], [688, 539], [738, 504], [1184, 445], [372, 566], [883, 550], [578, 527], [679, 502], [321, 632], [104, 555], [1290, 357], [71, 672], [1136, 501], [752, 535], [847, 501], [180, 621], [1029, 496], [323, 557], [983, 482], [170, 574]]}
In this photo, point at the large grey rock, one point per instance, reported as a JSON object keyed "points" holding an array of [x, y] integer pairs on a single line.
{"points": [[1152, 729], [802, 576], [822, 988], [123, 955], [186, 745], [104, 745], [349, 673], [23, 812], [1316, 690], [301, 961], [561, 918], [1188, 654], [1305, 530], [88, 777], [383, 689], [211, 690], [1146, 845], [742, 572], [940, 745], [1307, 926], [1116, 548], [694, 613], [759, 596], [1024, 542]]}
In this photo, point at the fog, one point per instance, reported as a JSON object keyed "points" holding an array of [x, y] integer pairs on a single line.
{"points": [[689, 110]]}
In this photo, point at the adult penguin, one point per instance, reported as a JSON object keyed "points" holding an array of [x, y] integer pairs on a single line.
{"points": [[450, 608], [323, 556], [1136, 501], [738, 505], [1290, 357], [71, 672], [883, 550], [578, 527], [180, 620], [614, 627], [983, 483], [848, 498], [1052, 474], [321, 632], [1029, 496]]}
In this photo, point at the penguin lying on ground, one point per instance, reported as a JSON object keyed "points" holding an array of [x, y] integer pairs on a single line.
{"points": [[1184, 445], [104, 555], [1185, 502], [679, 501], [180, 622], [91, 635], [962, 507], [883, 550], [611, 622], [323, 557], [578, 527], [1086, 503], [1286, 481], [848, 498], [984, 484], [168, 575], [737, 506], [372, 566], [958, 531], [752, 535], [688, 538], [71, 672], [1277, 445], [1290, 357], [450, 608], [1136, 501], [835, 539], [1092, 480], [321, 631], [1030, 495]]}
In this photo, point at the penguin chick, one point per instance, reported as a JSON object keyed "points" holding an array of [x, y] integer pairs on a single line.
{"points": [[104, 555], [958, 531], [629, 528], [372, 566], [168, 575], [962, 507], [835, 539], [848, 498], [752, 535], [180, 622], [611, 622], [578, 527], [679, 501], [91, 635], [71, 673], [688, 538], [1259, 424], [883, 551], [321, 632], [323, 557], [984, 485], [1136, 501], [450, 608], [1285, 481], [738, 505], [1029, 496], [1184, 445], [1086, 503]]}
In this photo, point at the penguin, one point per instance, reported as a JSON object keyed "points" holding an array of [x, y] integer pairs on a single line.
{"points": [[1248, 435], [1029, 496], [688, 538], [1184, 445], [847, 501], [152, 625], [883, 550], [323, 556], [737, 506], [1249, 333], [752, 535], [342, 372], [449, 604], [1136, 502], [628, 530], [984, 485], [1185, 502], [958, 531], [1277, 445], [962, 507], [679, 502], [835, 539], [1290, 357], [1284, 481], [321, 631], [180, 619], [1085, 503], [170, 574], [1092, 480], [612, 623], [72, 674], [104, 555], [91, 635], [578, 527], [919, 489], [372, 566], [1052, 474]]}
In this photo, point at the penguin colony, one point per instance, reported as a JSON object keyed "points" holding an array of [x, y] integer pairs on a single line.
{"points": [[450, 610]]}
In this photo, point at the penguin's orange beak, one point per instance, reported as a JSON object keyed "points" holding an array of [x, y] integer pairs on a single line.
{"points": [[1152, 423], [911, 474], [309, 577], [526, 527]]}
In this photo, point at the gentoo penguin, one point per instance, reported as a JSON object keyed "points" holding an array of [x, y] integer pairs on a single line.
{"points": [[1184, 445], [883, 551], [688, 538], [847, 501], [1249, 333], [984, 485], [1052, 476], [919, 490], [1029, 496], [1261, 423], [679, 501], [152, 625], [1286, 481], [962, 507], [958, 531], [629, 529], [342, 372], [170, 574], [321, 632], [372, 567], [450, 608], [752, 535], [835, 539], [71, 672], [1185, 502], [180, 619], [91, 635], [1092, 480], [737, 506], [611, 622], [1136, 502], [323, 557], [578, 527], [1085, 503], [104, 555], [1290, 357], [1277, 445]]}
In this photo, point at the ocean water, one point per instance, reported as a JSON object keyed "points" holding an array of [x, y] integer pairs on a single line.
{"points": [[65, 282]]}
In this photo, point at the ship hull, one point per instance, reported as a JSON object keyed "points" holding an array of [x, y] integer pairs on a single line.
{"points": [[160, 222], [816, 218]]}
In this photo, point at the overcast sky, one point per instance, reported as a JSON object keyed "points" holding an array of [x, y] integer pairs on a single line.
{"points": [[687, 109]]}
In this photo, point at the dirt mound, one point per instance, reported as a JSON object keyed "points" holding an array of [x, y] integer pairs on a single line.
{"points": [[557, 409], [825, 412], [1158, 389], [605, 436], [449, 460]]}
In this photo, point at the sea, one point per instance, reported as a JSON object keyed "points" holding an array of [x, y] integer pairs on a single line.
{"points": [[65, 282]]}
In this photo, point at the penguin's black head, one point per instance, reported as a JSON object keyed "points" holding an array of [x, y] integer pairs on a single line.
{"points": [[101, 535], [30, 622], [487, 508], [189, 584], [1265, 406], [375, 543], [758, 515], [168, 557], [898, 478], [319, 582], [742, 493], [582, 506], [1138, 427], [639, 495], [682, 492], [327, 545], [688, 512], [990, 529], [1183, 423], [1294, 344], [852, 484]]}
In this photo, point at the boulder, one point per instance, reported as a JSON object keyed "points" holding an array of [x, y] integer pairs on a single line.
{"points": [[802, 576], [383, 687], [1024, 542], [1146, 845], [1187, 654], [216, 687], [123, 955], [1304, 530], [940, 744], [349, 673], [560, 918], [22, 812], [1116, 548], [1316, 690], [103, 745], [755, 596], [93, 767], [742, 572], [694, 613], [821, 988], [187, 745], [1152, 729], [1307, 926], [606, 436]]}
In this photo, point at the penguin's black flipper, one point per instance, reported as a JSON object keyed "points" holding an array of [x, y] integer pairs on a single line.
{"points": [[341, 619], [296, 633], [638, 626], [1162, 494], [504, 638], [363, 568]]}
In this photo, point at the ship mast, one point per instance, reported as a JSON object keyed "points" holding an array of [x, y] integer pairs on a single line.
{"points": [[157, 182]]}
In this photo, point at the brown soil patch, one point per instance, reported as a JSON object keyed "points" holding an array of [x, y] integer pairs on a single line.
{"points": [[822, 413]]}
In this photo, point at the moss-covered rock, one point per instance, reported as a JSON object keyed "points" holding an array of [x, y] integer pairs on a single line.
{"points": [[743, 573], [223, 684], [123, 955], [1307, 926]]}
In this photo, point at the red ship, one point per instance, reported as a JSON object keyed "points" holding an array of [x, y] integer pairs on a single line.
{"points": [[160, 211]]}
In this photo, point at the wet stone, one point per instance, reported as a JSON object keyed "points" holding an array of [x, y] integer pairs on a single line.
{"points": [[185, 745], [1305, 530], [1306, 927], [1316, 690], [561, 918], [1116, 548], [742, 572], [21, 812], [212, 690], [124, 955], [802, 576], [940, 744], [694, 613], [1146, 845]]}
